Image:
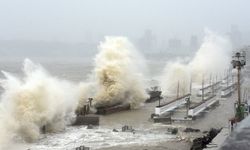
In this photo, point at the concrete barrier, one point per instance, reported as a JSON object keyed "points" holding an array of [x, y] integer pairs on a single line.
{"points": [[227, 91], [86, 120], [166, 120], [195, 110], [160, 110], [209, 89]]}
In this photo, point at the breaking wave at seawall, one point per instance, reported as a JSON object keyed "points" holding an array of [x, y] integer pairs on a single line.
{"points": [[35, 101], [211, 59], [117, 76], [176, 73]]}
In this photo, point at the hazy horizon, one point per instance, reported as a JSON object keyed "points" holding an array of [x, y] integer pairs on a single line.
{"points": [[60, 26]]}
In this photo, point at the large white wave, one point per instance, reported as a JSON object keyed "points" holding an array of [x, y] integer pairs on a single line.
{"points": [[117, 76], [212, 58], [33, 101]]}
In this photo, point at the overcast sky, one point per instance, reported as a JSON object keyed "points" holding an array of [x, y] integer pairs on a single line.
{"points": [[71, 20]]}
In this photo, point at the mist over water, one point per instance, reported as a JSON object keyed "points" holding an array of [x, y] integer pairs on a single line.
{"points": [[211, 59]]}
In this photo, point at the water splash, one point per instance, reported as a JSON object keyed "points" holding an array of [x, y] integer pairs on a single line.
{"points": [[33, 101], [117, 76], [212, 58]]}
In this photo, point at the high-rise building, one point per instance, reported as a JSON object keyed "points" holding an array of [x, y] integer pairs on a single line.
{"points": [[175, 45], [193, 43], [148, 41]]}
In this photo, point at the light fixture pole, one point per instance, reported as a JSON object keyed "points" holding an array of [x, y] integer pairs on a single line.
{"points": [[238, 62]]}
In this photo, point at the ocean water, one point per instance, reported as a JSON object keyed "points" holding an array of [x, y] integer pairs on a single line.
{"points": [[77, 70], [147, 133]]}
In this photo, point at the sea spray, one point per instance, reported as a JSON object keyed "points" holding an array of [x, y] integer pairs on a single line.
{"points": [[211, 59], [34, 101], [118, 74], [176, 73]]}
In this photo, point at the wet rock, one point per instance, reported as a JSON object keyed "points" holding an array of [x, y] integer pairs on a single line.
{"points": [[115, 130], [127, 128], [205, 132], [191, 130], [213, 132], [82, 148], [201, 142], [174, 131], [90, 126]]}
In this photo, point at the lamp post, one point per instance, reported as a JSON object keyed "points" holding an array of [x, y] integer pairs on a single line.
{"points": [[187, 99], [238, 62]]}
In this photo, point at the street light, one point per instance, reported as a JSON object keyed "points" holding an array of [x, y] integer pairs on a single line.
{"points": [[238, 62], [187, 99]]}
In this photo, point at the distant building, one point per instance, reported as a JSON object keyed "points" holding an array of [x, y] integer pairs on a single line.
{"points": [[175, 45], [193, 43], [147, 42]]}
